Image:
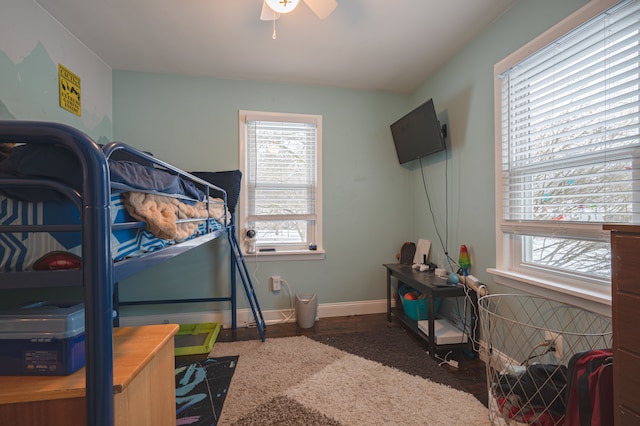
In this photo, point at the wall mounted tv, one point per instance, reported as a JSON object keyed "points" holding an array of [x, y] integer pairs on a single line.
{"points": [[418, 133]]}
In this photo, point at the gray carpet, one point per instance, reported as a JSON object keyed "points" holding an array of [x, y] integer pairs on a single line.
{"points": [[302, 381]]}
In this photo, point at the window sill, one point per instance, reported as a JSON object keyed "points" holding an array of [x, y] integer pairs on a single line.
{"points": [[598, 302], [284, 255]]}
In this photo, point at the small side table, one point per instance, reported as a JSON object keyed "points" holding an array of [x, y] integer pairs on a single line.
{"points": [[432, 287]]}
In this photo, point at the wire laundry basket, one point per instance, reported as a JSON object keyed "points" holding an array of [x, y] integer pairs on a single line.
{"points": [[529, 341]]}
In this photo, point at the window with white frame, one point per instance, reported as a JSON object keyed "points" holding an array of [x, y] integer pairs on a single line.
{"points": [[568, 149], [280, 157]]}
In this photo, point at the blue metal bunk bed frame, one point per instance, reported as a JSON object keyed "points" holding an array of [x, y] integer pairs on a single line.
{"points": [[99, 274]]}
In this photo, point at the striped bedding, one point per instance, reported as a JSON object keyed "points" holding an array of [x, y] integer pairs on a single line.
{"points": [[19, 251]]}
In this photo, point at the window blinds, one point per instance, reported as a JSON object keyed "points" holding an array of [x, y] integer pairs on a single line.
{"points": [[570, 125], [282, 170]]}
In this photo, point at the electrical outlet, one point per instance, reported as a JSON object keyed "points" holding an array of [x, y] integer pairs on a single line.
{"points": [[276, 283], [555, 339]]}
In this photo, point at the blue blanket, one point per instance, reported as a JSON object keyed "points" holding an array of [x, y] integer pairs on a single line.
{"points": [[55, 162]]}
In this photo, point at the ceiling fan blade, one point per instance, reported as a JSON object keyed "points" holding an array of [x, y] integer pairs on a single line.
{"points": [[268, 14], [322, 8]]}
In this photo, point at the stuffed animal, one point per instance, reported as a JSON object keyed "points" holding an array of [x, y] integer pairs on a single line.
{"points": [[5, 149]]}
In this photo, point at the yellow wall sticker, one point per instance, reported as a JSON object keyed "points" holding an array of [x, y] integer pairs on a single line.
{"points": [[69, 85]]}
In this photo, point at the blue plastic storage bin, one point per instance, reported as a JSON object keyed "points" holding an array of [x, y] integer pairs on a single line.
{"points": [[42, 339], [417, 309]]}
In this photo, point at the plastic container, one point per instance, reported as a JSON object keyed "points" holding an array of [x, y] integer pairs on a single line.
{"points": [[193, 339], [417, 309], [42, 339], [306, 310]]}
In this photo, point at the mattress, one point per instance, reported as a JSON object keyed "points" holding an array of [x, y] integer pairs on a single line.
{"points": [[19, 251]]}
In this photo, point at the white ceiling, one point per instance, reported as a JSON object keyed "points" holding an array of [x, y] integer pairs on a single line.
{"points": [[364, 44]]}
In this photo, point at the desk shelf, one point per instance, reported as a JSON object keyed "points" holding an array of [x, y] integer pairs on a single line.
{"points": [[432, 287]]}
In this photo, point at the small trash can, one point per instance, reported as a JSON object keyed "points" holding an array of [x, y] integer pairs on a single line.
{"points": [[306, 308]]}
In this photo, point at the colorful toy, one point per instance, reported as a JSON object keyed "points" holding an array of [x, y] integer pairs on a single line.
{"points": [[464, 261]]}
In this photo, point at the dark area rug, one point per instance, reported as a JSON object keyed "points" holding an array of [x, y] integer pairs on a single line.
{"points": [[394, 347], [282, 411], [201, 388]]}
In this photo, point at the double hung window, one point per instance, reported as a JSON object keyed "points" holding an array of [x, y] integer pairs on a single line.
{"points": [[281, 164], [568, 150]]}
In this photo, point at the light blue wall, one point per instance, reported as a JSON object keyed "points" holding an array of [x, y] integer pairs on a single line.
{"points": [[463, 89], [192, 122], [32, 44], [371, 204]]}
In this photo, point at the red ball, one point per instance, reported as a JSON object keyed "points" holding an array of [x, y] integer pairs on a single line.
{"points": [[411, 296]]}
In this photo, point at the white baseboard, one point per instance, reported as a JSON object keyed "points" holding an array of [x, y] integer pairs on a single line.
{"points": [[244, 317]]}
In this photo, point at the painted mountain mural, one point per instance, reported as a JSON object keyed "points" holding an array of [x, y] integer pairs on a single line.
{"points": [[29, 91]]}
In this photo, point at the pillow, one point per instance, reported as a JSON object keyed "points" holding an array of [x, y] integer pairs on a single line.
{"points": [[227, 180], [44, 161], [139, 177]]}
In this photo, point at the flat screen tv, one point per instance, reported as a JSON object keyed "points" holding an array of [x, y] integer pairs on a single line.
{"points": [[418, 133]]}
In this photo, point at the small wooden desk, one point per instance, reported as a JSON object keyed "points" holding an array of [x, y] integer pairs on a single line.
{"points": [[143, 377]]}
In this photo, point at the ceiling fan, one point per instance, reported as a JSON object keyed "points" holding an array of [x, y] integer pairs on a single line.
{"points": [[272, 9]]}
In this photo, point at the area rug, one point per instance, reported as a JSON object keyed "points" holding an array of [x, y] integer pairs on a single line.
{"points": [[298, 381], [396, 347], [201, 389]]}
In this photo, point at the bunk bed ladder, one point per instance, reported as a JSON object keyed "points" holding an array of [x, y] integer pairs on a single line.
{"points": [[238, 260]]}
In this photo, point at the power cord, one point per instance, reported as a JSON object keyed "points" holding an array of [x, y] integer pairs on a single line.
{"points": [[468, 299], [467, 306], [254, 273], [451, 362], [532, 355], [444, 243], [287, 317]]}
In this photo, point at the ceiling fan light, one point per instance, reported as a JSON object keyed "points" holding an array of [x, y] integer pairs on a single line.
{"points": [[282, 6]]}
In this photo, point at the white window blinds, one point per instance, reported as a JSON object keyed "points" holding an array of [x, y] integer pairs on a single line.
{"points": [[281, 171], [570, 125]]}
